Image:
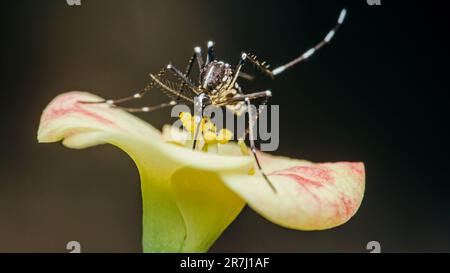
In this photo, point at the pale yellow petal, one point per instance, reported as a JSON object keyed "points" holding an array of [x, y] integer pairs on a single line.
{"points": [[309, 196], [168, 223]]}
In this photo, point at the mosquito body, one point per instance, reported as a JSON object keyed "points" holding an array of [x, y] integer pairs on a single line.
{"points": [[217, 85]]}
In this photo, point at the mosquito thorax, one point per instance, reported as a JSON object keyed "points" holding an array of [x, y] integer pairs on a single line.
{"points": [[215, 75]]}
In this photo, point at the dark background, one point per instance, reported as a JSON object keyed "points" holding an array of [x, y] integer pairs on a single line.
{"points": [[376, 94]]}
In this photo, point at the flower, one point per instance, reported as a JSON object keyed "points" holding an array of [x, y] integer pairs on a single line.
{"points": [[190, 197]]}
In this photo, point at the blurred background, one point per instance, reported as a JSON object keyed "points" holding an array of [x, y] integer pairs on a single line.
{"points": [[376, 95]]}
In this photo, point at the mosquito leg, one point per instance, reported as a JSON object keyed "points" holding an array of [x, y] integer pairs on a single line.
{"points": [[182, 76], [251, 121], [264, 94], [147, 109], [170, 88], [258, 114], [186, 73], [198, 56], [263, 105], [238, 88], [312, 50], [238, 70], [198, 107], [246, 76], [138, 95], [261, 66], [265, 68], [188, 70], [210, 54]]}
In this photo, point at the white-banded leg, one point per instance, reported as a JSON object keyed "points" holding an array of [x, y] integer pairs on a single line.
{"points": [[198, 56], [210, 54], [237, 71], [146, 109], [251, 123], [266, 95], [170, 88], [252, 119], [263, 105], [265, 68], [187, 72], [260, 109], [182, 76], [188, 69], [246, 76], [138, 95], [243, 97], [199, 104]]}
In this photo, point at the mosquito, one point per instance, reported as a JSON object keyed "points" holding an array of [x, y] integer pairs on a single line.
{"points": [[217, 85]]}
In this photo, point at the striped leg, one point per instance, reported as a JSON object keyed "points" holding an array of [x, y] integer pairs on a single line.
{"points": [[181, 76], [199, 105], [146, 109], [264, 94], [210, 55], [198, 56], [238, 70], [138, 95], [251, 122], [265, 68]]}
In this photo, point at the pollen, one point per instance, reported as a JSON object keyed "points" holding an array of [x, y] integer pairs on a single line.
{"points": [[189, 123], [185, 116], [209, 127], [209, 137], [224, 136], [209, 132]]}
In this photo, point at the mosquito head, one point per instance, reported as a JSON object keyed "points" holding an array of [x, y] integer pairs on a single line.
{"points": [[215, 75]]}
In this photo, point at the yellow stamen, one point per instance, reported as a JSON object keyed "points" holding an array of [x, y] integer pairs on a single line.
{"points": [[224, 136], [210, 137], [189, 123], [185, 116], [209, 127]]}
